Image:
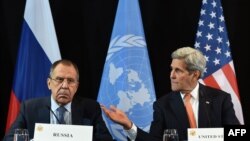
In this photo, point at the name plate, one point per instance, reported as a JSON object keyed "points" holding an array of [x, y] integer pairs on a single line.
{"points": [[206, 134], [62, 132]]}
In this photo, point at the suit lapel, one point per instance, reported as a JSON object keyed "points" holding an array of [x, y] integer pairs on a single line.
{"points": [[79, 114], [204, 108], [76, 112], [44, 112], [177, 106]]}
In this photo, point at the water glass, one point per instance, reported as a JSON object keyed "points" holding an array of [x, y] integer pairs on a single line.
{"points": [[21, 135], [170, 135]]}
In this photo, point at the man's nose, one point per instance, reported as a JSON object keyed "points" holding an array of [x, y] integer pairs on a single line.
{"points": [[172, 74], [65, 83]]}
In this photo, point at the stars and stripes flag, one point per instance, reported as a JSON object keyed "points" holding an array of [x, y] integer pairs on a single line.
{"points": [[212, 40], [38, 49]]}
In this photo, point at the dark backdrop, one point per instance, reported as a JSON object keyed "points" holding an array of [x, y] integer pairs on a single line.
{"points": [[84, 29]]}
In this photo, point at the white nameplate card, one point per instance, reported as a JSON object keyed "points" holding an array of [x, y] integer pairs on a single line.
{"points": [[206, 134], [62, 132]]}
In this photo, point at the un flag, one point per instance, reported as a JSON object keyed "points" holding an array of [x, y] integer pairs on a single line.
{"points": [[127, 78]]}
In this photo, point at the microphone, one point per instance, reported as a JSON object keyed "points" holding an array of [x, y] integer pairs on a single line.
{"points": [[206, 108], [57, 119]]}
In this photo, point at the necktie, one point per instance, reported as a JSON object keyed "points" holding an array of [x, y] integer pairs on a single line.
{"points": [[189, 110], [61, 110]]}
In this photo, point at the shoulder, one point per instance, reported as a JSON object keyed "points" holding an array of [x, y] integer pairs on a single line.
{"points": [[214, 94], [37, 101], [32, 105], [85, 101], [167, 98], [88, 107], [209, 88]]}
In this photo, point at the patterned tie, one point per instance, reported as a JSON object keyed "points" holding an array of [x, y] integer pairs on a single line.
{"points": [[189, 109], [61, 110]]}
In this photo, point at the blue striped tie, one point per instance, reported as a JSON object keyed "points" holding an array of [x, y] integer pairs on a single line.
{"points": [[61, 110]]}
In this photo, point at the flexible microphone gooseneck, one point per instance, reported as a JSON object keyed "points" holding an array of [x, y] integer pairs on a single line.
{"points": [[53, 114]]}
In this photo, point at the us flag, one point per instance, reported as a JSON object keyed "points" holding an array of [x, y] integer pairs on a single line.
{"points": [[212, 40]]}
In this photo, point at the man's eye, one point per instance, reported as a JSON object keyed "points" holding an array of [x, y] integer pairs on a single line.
{"points": [[71, 80], [59, 79]]}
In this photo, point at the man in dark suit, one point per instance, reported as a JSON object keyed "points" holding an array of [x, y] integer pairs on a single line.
{"points": [[210, 107], [63, 83]]}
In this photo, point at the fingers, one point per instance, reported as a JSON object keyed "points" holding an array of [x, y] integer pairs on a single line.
{"points": [[113, 108], [108, 111], [117, 116], [104, 109]]}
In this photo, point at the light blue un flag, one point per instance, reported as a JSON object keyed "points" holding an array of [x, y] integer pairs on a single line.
{"points": [[127, 78]]}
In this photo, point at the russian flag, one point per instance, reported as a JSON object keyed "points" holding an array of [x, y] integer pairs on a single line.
{"points": [[38, 50]]}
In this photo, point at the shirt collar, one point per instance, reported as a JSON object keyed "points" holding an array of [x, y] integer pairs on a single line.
{"points": [[54, 105], [194, 92]]}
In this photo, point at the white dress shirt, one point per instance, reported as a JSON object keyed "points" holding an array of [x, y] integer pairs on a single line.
{"points": [[194, 101], [67, 114], [132, 133]]}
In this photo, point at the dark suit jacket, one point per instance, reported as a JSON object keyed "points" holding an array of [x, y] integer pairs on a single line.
{"points": [[84, 112], [215, 110]]}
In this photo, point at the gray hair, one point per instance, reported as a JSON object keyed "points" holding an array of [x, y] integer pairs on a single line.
{"points": [[193, 58], [66, 63]]}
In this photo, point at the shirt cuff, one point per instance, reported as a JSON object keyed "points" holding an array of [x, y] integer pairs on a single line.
{"points": [[132, 132]]}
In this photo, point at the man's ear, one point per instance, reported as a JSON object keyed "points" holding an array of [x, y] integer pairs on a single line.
{"points": [[197, 74], [48, 83]]}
